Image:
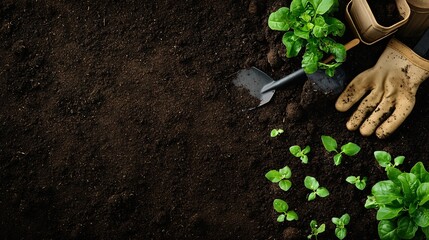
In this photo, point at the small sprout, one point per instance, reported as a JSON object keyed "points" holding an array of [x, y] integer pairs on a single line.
{"points": [[340, 225], [385, 159], [312, 184], [315, 229], [300, 153], [349, 149], [281, 176], [359, 183], [281, 207], [276, 132]]}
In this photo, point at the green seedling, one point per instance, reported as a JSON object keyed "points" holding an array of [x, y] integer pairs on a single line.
{"points": [[281, 207], [315, 229], [312, 184], [310, 25], [385, 159], [276, 132], [402, 204], [300, 153], [281, 176], [349, 149], [359, 183], [340, 225]]}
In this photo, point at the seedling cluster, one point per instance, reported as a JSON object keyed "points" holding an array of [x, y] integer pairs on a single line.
{"points": [[349, 149]]}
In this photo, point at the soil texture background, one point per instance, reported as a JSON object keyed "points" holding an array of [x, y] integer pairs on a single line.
{"points": [[119, 120]]}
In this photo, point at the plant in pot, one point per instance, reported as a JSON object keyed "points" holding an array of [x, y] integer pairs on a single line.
{"points": [[373, 20]]}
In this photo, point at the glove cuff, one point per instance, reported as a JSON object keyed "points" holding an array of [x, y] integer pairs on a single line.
{"points": [[411, 56]]}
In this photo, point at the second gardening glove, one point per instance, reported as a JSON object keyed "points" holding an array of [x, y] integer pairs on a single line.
{"points": [[391, 86]]}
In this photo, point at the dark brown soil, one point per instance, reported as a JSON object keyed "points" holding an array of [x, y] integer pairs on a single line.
{"points": [[385, 12], [119, 120]]}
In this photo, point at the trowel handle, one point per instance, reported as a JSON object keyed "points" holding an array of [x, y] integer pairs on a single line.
{"points": [[353, 43]]}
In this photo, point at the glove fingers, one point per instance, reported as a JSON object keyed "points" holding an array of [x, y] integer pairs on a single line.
{"points": [[374, 120], [353, 92], [395, 120], [368, 104]]}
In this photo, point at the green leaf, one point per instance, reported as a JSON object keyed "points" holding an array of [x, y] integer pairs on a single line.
{"points": [[383, 158], [295, 150], [419, 170], [341, 233], [350, 149], [311, 196], [322, 192], [387, 230], [361, 185], [274, 176], [281, 218], [304, 159], [313, 223], [337, 159], [339, 51], [329, 143], [406, 228], [310, 60], [311, 183], [351, 179], [296, 7], [324, 6], [392, 174], [345, 218], [315, 3], [321, 228], [291, 215], [293, 44], [320, 27], [423, 193], [386, 191], [285, 185], [370, 202], [399, 160], [425, 230], [336, 221], [286, 172], [421, 217], [280, 205], [280, 19], [276, 132], [409, 183], [336, 27], [306, 150], [387, 212]]}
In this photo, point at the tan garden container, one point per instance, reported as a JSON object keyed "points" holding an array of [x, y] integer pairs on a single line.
{"points": [[418, 21], [363, 23]]}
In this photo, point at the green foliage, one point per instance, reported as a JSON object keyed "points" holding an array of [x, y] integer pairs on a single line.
{"points": [[315, 229], [281, 176], [282, 207], [349, 149], [300, 153], [312, 184], [385, 159], [276, 132], [310, 24], [340, 225], [402, 203], [359, 183]]}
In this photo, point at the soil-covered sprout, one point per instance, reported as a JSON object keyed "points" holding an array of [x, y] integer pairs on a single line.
{"points": [[402, 204], [315, 229], [281, 176], [300, 153], [340, 225], [349, 149], [312, 184], [276, 132], [357, 181], [282, 207]]}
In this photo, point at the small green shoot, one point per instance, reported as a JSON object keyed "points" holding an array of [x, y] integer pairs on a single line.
{"points": [[340, 225], [281, 207], [315, 229], [300, 153], [349, 149], [312, 184], [359, 183], [281, 176], [276, 132], [385, 159]]}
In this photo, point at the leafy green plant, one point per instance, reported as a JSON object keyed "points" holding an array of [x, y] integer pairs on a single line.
{"points": [[310, 24], [349, 149], [282, 207], [281, 176], [340, 225], [300, 153], [385, 159], [276, 132], [357, 181], [402, 204], [312, 184], [315, 229]]}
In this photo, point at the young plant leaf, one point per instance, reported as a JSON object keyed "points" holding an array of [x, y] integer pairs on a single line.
{"points": [[387, 230], [274, 176], [280, 205], [285, 172], [311, 183], [341, 233], [322, 192], [350, 149], [383, 158], [291, 215], [338, 158], [281, 218], [285, 185], [329, 143], [280, 19], [406, 228]]}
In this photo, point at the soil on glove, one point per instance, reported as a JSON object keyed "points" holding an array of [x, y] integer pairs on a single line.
{"points": [[119, 120]]}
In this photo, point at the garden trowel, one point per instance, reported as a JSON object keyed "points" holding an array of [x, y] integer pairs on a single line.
{"points": [[263, 87]]}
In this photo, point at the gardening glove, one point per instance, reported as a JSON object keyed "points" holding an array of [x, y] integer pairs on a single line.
{"points": [[391, 86]]}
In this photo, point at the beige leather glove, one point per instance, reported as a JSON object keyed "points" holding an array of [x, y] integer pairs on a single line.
{"points": [[391, 86]]}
